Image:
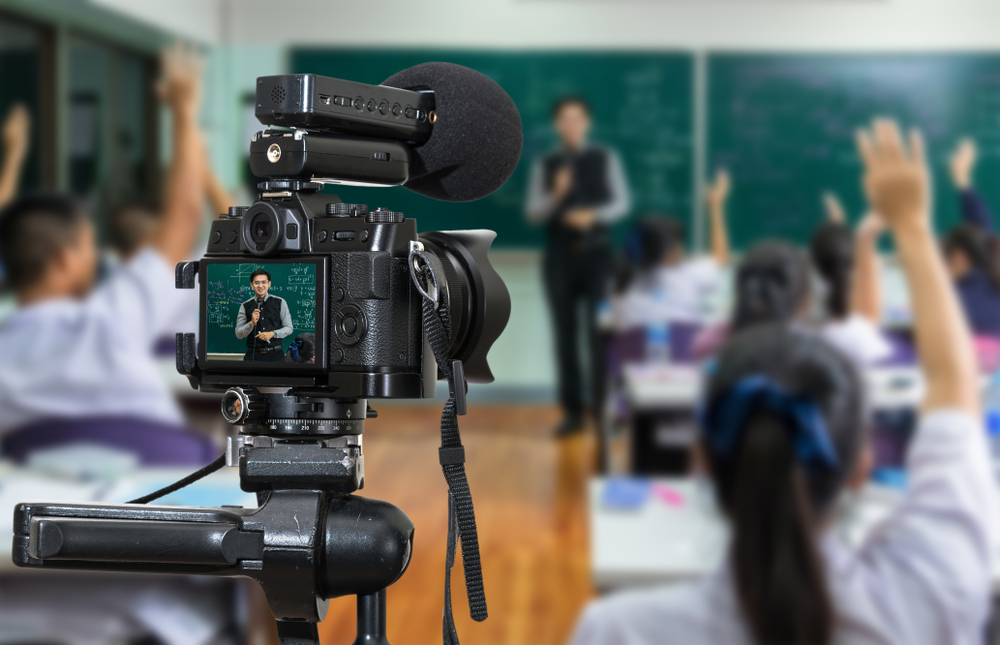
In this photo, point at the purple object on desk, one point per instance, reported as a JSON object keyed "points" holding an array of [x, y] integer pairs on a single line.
{"points": [[904, 351], [156, 444]]}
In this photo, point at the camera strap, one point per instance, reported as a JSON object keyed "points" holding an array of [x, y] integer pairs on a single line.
{"points": [[461, 515]]}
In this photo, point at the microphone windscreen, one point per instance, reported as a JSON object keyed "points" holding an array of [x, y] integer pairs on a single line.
{"points": [[476, 141]]}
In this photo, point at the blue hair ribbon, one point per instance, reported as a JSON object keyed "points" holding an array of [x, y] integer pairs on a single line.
{"points": [[724, 420], [293, 349]]}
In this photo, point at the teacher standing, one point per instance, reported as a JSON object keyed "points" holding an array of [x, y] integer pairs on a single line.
{"points": [[263, 320], [578, 190]]}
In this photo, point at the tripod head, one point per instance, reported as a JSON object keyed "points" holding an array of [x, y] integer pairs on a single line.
{"points": [[309, 540]]}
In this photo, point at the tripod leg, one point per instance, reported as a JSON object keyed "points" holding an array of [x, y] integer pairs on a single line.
{"points": [[290, 633], [371, 619]]}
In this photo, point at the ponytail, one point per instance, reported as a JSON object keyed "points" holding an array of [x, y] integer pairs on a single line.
{"points": [[832, 251], [782, 427], [780, 578]]}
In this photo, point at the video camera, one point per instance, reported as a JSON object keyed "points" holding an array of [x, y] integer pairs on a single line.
{"points": [[390, 312]]}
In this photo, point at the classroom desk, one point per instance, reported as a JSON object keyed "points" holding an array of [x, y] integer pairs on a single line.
{"points": [[22, 484], [679, 534], [659, 387]]}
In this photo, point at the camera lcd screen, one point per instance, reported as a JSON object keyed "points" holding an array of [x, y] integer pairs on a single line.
{"points": [[262, 314]]}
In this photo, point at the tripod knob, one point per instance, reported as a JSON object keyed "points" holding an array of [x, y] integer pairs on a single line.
{"points": [[242, 406]]}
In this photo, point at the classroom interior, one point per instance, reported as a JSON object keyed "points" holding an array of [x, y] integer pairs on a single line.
{"points": [[771, 91]]}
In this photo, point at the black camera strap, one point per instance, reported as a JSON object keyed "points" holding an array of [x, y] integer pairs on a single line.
{"points": [[461, 515]]}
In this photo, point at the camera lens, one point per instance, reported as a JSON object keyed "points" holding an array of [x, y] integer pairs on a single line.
{"points": [[478, 300]]}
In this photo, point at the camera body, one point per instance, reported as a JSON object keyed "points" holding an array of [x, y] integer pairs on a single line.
{"points": [[367, 327]]}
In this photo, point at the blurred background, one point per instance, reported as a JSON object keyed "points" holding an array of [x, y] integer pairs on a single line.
{"points": [[676, 89]]}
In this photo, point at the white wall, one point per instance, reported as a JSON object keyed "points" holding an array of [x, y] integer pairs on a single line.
{"points": [[752, 24]]}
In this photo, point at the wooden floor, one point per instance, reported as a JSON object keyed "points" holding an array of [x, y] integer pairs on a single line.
{"points": [[529, 493]]}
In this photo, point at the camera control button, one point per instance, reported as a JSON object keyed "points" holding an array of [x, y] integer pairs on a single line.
{"points": [[359, 103], [410, 113], [233, 236], [397, 109], [363, 235], [292, 231], [344, 236], [216, 237], [383, 107], [337, 355], [338, 294], [350, 325], [321, 236]]}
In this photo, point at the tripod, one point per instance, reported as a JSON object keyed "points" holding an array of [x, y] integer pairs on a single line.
{"points": [[309, 540]]}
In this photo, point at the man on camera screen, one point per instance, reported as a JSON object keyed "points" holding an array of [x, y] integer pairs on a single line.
{"points": [[263, 320]]}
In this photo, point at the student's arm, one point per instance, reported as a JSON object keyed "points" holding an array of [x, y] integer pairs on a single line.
{"points": [[935, 550], [181, 219], [716, 197], [16, 130], [620, 202], [866, 283], [975, 210], [218, 197], [898, 184]]}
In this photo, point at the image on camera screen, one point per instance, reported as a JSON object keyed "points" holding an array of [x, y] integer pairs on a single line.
{"points": [[261, 312]]}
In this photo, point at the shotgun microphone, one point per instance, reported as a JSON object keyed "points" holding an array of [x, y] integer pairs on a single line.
{"points": [[441, 130]]}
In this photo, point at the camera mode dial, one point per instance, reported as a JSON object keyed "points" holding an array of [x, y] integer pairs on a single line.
{"points": [[236, 212], [384, 216], [346, 210]]}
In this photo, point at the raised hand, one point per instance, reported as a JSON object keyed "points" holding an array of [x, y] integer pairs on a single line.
{"points": [[896, 178], [16, 131], [834, 209], [717, 192], [962, 163], [180, 78]]}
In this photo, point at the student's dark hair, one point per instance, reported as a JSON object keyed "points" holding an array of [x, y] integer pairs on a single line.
{"points": [[776, 502], [979, 247], [33, 229], [647, 243], [772, 285], [131, 223], [832, 252], [568, 100], [259, 272]]}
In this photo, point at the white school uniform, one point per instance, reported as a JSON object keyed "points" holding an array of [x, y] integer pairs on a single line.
{"points": [[922, 577], [67, 358], [858, 338], [680, 293]]}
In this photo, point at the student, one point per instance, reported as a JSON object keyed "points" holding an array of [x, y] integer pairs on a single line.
{"points": [[970, 249], [783, 436], [577, 191], [73, 350], [15, 134], [133, 223], [771, 285], [263, 320], [666, 285], [848, 265], [302, 349]]}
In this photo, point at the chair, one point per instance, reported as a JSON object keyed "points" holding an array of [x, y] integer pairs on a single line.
{"points": [[155, 443]]}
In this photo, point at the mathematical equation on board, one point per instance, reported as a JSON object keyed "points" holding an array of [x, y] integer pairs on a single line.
{"points": [[229, 286]]}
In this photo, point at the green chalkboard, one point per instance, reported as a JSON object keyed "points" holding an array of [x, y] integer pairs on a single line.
{"points": [[642, 104], [228, 286], [785, 126]]}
